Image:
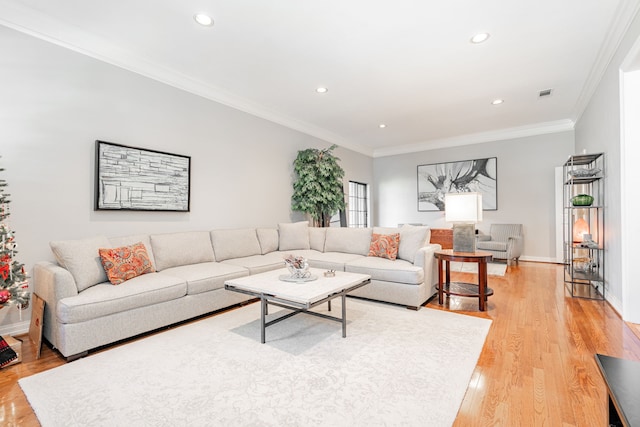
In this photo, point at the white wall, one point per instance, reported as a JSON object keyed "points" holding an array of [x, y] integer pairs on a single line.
{"points": [[526, 187], [598, 130], [630, 175], [54, 103]]}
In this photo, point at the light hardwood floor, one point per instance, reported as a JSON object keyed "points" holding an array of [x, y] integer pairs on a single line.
{"points": [[537, 367]]}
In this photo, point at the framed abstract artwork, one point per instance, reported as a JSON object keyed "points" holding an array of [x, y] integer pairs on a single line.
{"points": [[436, 180], [136, 179]]}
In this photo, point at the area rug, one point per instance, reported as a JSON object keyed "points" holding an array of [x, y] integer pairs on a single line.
{"points": [[396, 367], [493, 268]]}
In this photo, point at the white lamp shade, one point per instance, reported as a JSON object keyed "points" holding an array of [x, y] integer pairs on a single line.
{"points": [[463, 207]]}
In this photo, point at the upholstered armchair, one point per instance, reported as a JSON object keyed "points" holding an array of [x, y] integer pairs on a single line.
{"points": [[505, 241]]}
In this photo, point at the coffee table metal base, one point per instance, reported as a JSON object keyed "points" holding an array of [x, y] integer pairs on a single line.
{"points": [[299, 308], [266, 300]]}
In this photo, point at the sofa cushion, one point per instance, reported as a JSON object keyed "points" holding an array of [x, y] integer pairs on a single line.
{"points": [[130, 240], [399, 271], [293, 236], [317, 237], [268, 238], [105, 299], [206, 276], [235, 243], [330, 260], [384, 245], [175, 249], [82, 259], [259, 263], [126, 262], [348, 240], [412, 238]]}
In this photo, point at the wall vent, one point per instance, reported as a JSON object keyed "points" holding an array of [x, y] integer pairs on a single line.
{"points": [[546, 92]]}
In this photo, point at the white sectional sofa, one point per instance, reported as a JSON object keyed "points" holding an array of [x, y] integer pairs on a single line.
{"points": [[84, 310]]}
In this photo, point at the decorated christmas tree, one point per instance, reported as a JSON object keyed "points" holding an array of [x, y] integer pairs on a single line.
{"points": [[14, 286]]}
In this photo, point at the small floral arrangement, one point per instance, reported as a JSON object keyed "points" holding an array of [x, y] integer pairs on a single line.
{"points": [[298, 266], [295, 261]]}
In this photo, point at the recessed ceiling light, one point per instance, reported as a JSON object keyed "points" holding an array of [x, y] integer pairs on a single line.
{"points": [[203, 19], [497, 101], [382, 126], [480, 38], [322, 90]]}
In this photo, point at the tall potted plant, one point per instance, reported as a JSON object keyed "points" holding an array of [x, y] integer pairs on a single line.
{"points": [[318, 190]]}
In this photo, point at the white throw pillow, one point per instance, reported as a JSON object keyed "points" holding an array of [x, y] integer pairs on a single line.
{"points": [[82, 259], [294, 236], [412, 238]]}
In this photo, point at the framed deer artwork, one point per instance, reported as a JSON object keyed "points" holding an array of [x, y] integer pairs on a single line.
{"points": [[437, 179]]}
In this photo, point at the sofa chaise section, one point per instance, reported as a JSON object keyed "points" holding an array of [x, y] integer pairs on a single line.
{"points": [[409, 280]]}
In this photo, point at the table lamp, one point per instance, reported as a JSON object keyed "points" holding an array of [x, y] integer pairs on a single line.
{"points": [[464, 210]]}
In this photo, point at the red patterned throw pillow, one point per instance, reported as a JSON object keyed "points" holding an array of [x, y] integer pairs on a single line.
{"points": [[385, 245], [127, 262]]}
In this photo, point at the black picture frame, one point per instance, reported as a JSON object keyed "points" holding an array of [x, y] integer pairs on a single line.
{"points": [[437, 179], [137, 179]]}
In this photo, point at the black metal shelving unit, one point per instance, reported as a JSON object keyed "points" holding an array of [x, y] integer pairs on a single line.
{"points": [[583, 256]]}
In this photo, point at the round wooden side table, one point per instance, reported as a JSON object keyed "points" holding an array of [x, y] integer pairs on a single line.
{"points": [[463, 289]]}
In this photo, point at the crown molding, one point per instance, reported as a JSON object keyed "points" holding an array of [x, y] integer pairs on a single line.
{"points": [[624, 16], [44, 27], [479, 138]]}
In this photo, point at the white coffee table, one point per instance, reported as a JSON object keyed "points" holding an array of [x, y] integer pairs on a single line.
{"points": [[298, 296]]}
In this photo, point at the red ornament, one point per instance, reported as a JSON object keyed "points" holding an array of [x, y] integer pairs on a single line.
{"points": [[4, 296]]}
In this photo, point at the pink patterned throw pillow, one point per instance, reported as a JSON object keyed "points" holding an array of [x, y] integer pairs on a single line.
{"points": [[127, 262], [385, 245]]}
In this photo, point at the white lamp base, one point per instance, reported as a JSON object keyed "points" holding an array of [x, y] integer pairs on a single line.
{"points": [[464, 238]]}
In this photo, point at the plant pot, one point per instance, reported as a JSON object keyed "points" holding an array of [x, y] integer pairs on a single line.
{"points": [[582, 200]]}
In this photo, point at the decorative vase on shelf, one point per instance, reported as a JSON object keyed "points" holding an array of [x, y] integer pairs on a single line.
{"points": [[582, 200]]}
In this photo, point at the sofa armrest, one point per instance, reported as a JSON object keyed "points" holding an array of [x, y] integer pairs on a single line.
{"points": [[483, 238], [52, 283], [425, 258]]}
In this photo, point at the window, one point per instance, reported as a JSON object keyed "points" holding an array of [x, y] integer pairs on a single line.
{"points": [[358, 204]]}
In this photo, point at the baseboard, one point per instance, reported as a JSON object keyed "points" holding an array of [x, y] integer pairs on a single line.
{"points": [[539, 259], [15, 328], [614, 303]]}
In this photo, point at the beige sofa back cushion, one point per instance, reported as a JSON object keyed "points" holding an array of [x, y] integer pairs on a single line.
{"points": [[238, 243], [268, 238], [348, 240], [82, 260], [293, 236], [176, 249], [317, 237]]}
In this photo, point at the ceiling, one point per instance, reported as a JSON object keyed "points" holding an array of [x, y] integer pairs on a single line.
{"points": [[406, 63]]}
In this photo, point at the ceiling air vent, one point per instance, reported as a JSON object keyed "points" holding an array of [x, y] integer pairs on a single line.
{"points": [[546, 92]]}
